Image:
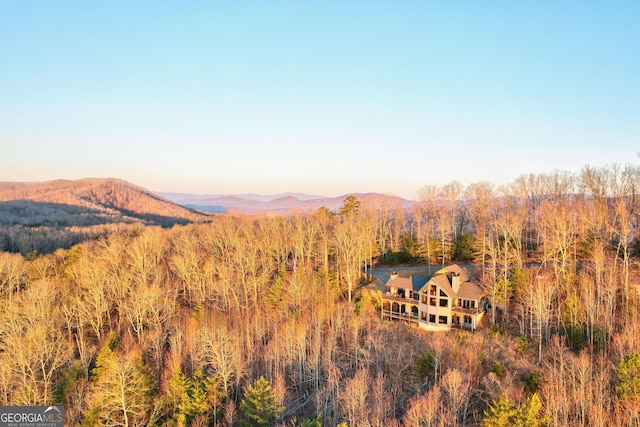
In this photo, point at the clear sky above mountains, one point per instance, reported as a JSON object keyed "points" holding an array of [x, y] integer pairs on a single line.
{"points": [[324, 97]]}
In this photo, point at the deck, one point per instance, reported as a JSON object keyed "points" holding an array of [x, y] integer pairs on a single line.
{"points": [[409, 317]]}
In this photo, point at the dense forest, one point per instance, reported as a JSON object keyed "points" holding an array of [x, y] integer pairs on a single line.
{"points": [[270, 320]]}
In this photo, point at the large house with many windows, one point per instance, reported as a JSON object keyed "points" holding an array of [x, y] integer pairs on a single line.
{"points": [[447, 299]]}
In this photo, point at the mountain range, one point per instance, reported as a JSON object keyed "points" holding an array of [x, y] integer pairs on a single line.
{"points": [[280, 203]]}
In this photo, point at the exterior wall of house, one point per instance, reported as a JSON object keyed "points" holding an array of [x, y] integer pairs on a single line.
{"points": [[436, 317], [435, 308], [477, 318], [429, 317]]}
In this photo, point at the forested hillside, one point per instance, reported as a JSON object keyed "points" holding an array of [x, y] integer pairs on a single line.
{"points": [[255, 320], [58, 214]]}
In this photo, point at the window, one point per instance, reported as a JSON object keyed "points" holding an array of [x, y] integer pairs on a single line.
{"points": [[442, 320], [432, 290], [423, 315], [432, 302], [424, 299], [432, 318], [468, 303], [444, 302], [442, 294]]}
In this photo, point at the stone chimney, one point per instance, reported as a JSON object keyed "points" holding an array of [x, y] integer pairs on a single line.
{"points": [[455, 282]]}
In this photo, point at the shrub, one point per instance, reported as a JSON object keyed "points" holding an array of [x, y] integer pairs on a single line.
{"points": [[532, 382], [523, 343], [395, 258], [498, 369]]}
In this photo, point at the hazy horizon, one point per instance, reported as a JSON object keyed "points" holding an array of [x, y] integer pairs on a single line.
{"points": [[323, 99]]}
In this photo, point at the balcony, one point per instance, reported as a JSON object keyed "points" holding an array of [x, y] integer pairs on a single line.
{"points": [[462, 310], [409, 317], [462, 326], [399, 298]]}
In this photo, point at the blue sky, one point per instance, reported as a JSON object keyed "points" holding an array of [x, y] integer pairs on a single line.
{"points": [[325, 97]]}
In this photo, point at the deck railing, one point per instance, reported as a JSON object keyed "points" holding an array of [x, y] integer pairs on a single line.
{"points": [[409, 317]]}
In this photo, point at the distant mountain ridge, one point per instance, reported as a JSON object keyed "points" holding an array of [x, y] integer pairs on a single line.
{"points": [[280, 203], [192, 198], [87, 201]]}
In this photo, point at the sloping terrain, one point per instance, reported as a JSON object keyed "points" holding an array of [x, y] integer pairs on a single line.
{"points": [[42, 217], [87, 202]]}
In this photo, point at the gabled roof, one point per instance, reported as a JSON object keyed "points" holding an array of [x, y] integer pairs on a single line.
{"points": [[400, 282], [453, 268], [469, 290], [413, 282], [442, 278], [419, 282], [443, 283]]}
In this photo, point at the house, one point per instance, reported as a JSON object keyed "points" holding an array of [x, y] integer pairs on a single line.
{"points": [[447, 299]]}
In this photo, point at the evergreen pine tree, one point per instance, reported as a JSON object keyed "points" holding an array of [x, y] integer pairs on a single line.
{"points": [[259, 406], [105, 356], [530, 413], [501, 413], [629, 378], [504, 413], [177, 394], [199, 394]]}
